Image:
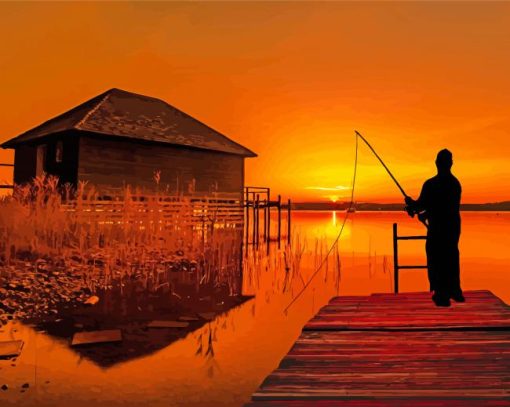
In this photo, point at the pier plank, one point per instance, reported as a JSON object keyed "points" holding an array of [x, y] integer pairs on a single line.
{"points": [[397, 350], [482, 310]]}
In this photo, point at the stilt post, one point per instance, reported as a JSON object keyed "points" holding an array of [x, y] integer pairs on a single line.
{"points": [[279, 220], [247, 218], [257, 216], [288, 221], [395, 259], [254, 219]]}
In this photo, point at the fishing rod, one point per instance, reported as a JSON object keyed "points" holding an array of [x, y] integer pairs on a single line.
{"points": [[348, 211], [411, 213], [346, 216], [382, 162]]}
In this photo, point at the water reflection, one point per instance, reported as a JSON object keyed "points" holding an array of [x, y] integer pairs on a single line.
{"points": [[223, 361], [138, 339]]}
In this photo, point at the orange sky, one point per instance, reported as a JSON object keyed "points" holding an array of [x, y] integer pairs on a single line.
{"points": [[291, 81]]}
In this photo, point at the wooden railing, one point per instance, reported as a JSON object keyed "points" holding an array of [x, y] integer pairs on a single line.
{"points": [[6, 186], [257, 201], [396, 265], [178, 211]]}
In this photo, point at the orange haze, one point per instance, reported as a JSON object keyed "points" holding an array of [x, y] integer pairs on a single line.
{"points": [[291, 81]]}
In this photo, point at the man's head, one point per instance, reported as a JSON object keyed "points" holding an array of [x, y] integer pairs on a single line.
{"points": [[444, 161]]}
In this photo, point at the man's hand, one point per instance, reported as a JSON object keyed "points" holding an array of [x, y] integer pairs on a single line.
{"points": [[409, 201], [410, 206]]}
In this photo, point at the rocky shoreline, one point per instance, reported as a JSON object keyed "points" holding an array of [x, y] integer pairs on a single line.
{"points": [[63, 297], [38, 288]]}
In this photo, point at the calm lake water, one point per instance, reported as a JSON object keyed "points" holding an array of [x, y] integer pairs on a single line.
{"points": [[222, 363]]}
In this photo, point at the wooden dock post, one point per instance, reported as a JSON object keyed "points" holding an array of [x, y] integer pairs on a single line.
{"points": [[269, 214], [288, 221], [247, 218], [395, 259], [254, 220], [264, 207], [268, 235], [279, 220], [257, 217], [267, 231]]}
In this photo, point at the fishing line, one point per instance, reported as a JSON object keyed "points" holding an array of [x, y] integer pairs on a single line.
{"points": [[347, 212]]}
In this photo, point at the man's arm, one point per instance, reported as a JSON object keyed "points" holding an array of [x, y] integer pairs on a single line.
{"points": [[418, 206]]}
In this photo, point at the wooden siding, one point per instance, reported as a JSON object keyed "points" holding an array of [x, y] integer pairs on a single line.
{"points": [[25, 157], [67, 169], [108, 163]]}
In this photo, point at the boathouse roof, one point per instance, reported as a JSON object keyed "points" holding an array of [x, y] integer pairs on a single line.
{"points": [[129, 115]]}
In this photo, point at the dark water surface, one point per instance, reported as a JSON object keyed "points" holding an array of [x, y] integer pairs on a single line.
{"points": [[224, 361]]}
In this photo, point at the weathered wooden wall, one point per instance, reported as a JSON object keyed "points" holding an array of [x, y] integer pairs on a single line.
{"points": [[106, 162], [67, 170], [25, 159]]}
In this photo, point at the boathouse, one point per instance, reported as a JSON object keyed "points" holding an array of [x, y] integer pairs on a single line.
{"points": [[120, 138]]}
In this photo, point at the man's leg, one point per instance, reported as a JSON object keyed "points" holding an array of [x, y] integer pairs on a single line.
{"points": [[455, 289], [436, 268], [430, 264]]}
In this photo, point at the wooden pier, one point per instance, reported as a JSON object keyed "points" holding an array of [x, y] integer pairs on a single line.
{"points": [[397, 350], [257, 202]]}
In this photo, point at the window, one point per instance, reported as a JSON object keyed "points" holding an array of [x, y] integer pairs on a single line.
{"points": [[59, 151]]}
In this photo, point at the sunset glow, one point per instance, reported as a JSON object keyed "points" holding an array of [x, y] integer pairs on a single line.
{"points": [[290, 81]]}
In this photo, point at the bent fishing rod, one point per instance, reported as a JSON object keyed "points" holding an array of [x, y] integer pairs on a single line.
{"points": [[389, 173], [382, 162], [347, 212]]}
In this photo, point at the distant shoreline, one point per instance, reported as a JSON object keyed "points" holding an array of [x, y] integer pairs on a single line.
{"points": [[393, 207]]}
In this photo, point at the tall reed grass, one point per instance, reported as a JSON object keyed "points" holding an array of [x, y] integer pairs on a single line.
{"points": [[288, 270], [152, 238]]}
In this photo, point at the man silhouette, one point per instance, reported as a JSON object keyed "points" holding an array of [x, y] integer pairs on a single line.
{"points": [[439, 205]]}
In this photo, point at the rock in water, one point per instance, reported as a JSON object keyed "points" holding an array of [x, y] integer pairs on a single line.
{"points": [[93, 300], [168, 324], [96, 337]]}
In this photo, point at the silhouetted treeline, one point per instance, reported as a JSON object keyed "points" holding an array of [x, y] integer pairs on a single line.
{"points": [[372, 206]]}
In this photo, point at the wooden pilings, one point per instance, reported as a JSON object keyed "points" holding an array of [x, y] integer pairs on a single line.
{"points": [[279, 220], [288, 221], [258, 203]]}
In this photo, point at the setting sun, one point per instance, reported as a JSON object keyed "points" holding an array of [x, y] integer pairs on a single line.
{"points": [[272, 89], [254, 203]]}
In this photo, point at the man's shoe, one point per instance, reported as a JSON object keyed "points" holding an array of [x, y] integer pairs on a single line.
{"points": [[458, 298], [441, 301]]}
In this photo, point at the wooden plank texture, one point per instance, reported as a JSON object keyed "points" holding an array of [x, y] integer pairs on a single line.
{"points": [[397, 350], [461, 402], [412, 311], [113, 162]]}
